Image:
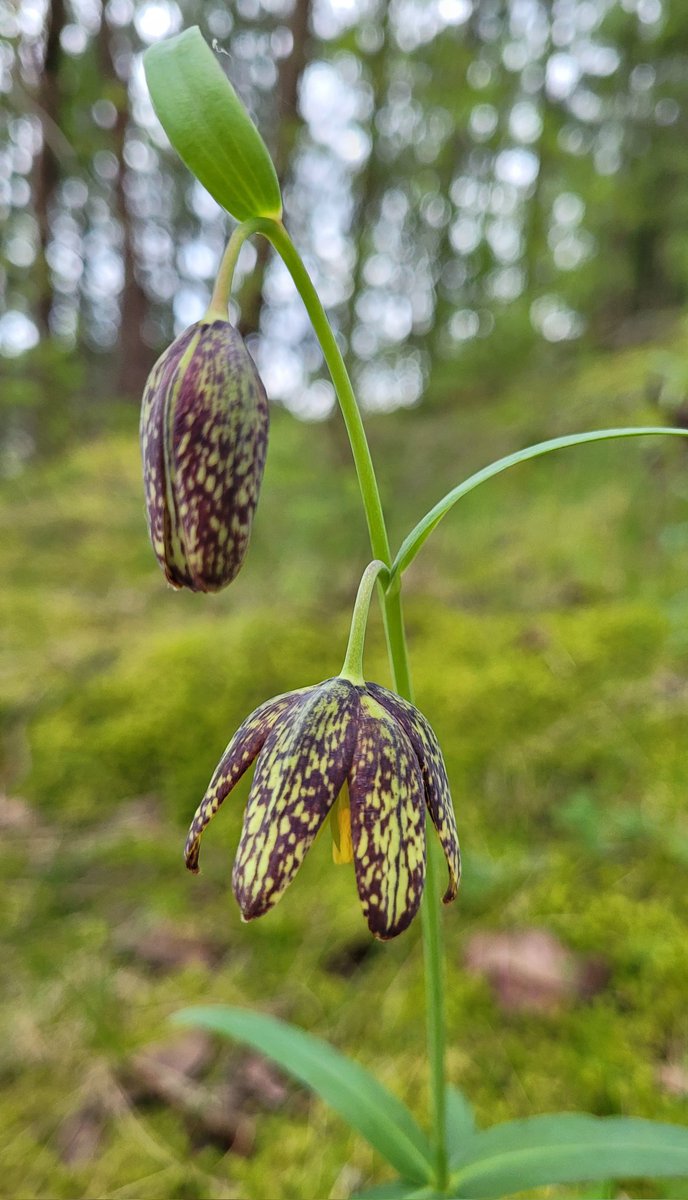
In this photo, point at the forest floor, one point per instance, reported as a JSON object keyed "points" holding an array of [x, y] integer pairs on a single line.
{"points": [[548, 626]]}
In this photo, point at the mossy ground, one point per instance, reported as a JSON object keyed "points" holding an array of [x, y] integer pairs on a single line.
{"points": [[547, 622]]}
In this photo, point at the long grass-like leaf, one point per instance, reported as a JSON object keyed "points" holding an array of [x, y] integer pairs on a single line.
{"points": [[412, 544], [460, 1121], [345, 1085], [568, 1148]]}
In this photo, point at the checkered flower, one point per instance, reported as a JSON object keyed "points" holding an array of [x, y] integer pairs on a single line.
{"points": [[359, 754], [204, 430]]}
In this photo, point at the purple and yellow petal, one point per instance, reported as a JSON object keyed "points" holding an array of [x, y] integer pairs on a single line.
{"points": [[216, 447], [358, 753], [299, 774], [237, 758], [437, 793], [387, 821], [154, 409]]}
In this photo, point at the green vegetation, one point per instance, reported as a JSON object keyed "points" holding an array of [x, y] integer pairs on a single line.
{"points": [[548, 637]]}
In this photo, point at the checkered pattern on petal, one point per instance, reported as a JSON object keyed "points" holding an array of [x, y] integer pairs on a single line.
{"points": [[387, 821], [437, 794], [237, 758], [155, 406], [298, 776], [217, 434]]}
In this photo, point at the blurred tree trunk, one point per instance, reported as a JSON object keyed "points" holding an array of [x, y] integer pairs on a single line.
{"points": [[372, 180], [536, 260], [47, 174], [453, 161], [288, 124], [369, 190], [135, 358]]}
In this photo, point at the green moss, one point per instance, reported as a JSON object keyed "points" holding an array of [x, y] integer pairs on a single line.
{"points": [[551, 661]]}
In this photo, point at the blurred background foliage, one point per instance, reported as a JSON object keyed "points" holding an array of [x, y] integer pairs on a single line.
{"points": [[491, 196]]}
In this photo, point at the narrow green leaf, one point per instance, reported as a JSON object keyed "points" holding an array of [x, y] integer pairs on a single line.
{"points": [[398, 1189], [601, 1191], [460, 1123], [568, 1148], [412, 544], [345, 1085], [209, 127]]}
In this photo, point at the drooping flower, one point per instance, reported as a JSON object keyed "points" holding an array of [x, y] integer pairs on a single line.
{"points": [[204, 429], [358, 753]]}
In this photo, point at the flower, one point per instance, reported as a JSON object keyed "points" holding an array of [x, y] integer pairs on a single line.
{"points": [[359, 753], [204, 429]]}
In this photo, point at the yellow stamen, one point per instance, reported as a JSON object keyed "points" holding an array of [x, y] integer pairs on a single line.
{"points": [[342, 845]]}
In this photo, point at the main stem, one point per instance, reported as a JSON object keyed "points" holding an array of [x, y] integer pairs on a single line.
{"points": [[430, 914], [395, 634], [367, 480]]}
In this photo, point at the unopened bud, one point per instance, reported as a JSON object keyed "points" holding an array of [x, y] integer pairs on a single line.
{"points": [[204, 428]]}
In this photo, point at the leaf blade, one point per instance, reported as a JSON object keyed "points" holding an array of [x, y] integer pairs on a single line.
{"points": [[419, 534], [398, 1189], [209, 127], [459, 1123], [345, 1085], [568, 1148]]}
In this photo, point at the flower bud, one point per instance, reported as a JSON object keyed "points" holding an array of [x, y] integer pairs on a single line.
{"points": [[204, 428]]}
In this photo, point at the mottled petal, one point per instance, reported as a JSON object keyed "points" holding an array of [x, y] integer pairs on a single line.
{"points": [[437, 794], [387, 821], [156, 396], [237, 758], [298, 776], [217, 433]]}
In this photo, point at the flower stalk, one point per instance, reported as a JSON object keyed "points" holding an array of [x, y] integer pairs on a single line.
{"points": [[275, 232], [353, 659], [218, 307]]}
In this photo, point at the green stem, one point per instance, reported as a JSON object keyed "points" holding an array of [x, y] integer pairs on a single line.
{"points": [[431, 915], [275, 232], [396, 646], [218, 308], [431, 918], [353, 659]]}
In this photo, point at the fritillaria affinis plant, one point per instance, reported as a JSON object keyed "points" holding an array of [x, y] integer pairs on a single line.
{"points": [[346, 749]]}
